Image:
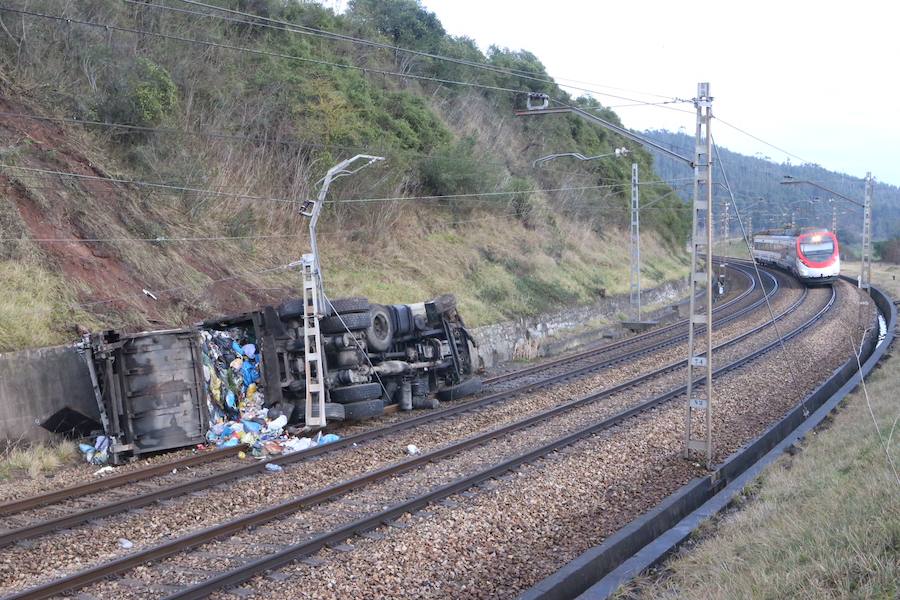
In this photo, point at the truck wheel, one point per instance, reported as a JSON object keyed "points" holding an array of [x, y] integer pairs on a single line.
{"points": [[291, 309], [380, 333], [357, 411], [355, 304], [334, 411], [355, 393], [351, 321], [460, 390]]}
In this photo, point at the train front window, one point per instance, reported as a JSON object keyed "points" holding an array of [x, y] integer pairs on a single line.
{"points": [[817, 250]]}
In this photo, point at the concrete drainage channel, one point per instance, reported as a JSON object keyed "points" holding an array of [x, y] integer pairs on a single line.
{"points": [[644, 542]]}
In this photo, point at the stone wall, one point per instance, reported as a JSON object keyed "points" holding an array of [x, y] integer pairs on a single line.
{"points": [[552, 333]]}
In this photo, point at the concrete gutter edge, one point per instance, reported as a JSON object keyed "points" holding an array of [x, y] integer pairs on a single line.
{"points": [[574, 579]]}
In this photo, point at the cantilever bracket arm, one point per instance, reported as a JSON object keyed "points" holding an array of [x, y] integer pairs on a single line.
{"points": [[579, 156], [312, 208], [788, 180], [606, 125]]}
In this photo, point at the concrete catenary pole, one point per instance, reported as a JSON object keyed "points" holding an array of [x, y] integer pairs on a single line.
{"points": [[635, 244], [865, 275], [699, 401]]}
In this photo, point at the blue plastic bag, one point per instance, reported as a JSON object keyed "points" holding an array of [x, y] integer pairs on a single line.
{"points": [[249, 373], [251, 426]]}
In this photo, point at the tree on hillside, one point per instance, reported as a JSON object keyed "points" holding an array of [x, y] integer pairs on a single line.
{"points": [[404, 22]]}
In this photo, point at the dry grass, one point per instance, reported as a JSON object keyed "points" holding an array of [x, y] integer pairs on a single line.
{"points": [[497, 268], [822, 524], [35, 305], [36, 458], [732, 247]]}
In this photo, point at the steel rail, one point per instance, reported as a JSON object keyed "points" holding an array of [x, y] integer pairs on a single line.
{"points": [[90, 575], [278, 559], [624, 342], [130, 503], [76, 518], [17, 506]]}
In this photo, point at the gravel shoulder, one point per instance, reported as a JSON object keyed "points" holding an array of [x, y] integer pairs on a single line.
{"points": [[504, 539], [67, 551]]}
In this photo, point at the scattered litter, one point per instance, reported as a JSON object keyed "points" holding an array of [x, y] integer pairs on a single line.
{"points": [[174, 471], [277, 424], [297, 444], [97, 454], [242, 455], [274, 468], [104, 470], [273, 448], [126, 544], [329, 438], [413, 450]]}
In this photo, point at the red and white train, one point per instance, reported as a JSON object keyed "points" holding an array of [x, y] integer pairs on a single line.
{"points": [[810, 253]]}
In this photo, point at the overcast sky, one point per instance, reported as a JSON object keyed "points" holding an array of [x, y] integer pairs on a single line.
{"points": [[818, 79]]}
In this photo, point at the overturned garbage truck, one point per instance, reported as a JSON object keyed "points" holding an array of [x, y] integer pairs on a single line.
{"points": [[307, 361], [372, 355], [159, 390]]}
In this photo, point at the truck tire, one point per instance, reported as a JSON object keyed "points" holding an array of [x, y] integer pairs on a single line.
{"points": [[355, 393], [351, 321], [357, 411], [291, 309], [354, 304], [335, 411], [380, 332], [460, 390]]}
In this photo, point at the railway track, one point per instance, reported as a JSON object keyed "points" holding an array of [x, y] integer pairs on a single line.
{"points": [[540, 425], [170, 484], [666, 336], [12, 507], [730, 309], [645, 343]]}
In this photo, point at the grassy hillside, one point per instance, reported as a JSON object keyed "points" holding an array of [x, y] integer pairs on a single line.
{"points": [[239, 121]]}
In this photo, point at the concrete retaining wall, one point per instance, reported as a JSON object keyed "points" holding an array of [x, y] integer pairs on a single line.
{"points": [[36, 383], [552, 333]]}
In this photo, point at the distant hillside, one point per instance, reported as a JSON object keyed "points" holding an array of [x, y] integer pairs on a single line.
{"points": [[756, 182], [163, 184]]}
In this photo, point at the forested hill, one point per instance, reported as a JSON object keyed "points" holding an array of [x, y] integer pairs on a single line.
{"points": [[756, 182], [154, 155]]}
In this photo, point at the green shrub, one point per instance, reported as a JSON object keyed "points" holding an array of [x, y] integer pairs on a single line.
{"points": [[456, 169], [139, 93]]}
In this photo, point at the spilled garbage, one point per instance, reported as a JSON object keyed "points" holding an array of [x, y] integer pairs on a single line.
{"points": [[236, 404]]}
